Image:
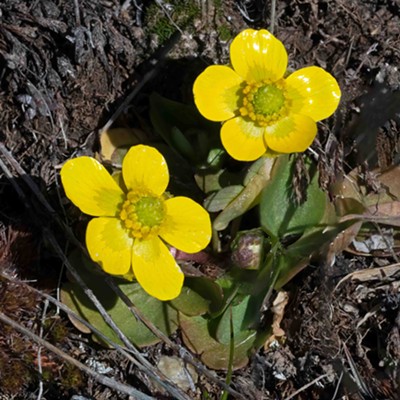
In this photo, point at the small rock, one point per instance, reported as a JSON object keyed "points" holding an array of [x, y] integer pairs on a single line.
{"points": [[183, 375]]}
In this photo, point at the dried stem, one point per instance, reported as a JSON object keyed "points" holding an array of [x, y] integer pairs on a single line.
{"points": [[273, 16]]}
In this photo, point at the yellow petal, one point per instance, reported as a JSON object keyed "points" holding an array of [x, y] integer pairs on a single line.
{"points": [[109, 245], [242, 139], [187, 226], [292, 134], [90, 187], [144, 168], [217, 92], [156, 270], [256, 55], [313, 92]]}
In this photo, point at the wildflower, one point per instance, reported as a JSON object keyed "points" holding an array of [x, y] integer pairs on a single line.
{"points": [[136, 218], [263, 110]]}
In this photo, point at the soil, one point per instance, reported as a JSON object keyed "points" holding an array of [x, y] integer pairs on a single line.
{"points": [[66, 67]]}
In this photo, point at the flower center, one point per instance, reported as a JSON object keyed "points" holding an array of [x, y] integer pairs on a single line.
{"points": [[142, 214], [264, 102]]}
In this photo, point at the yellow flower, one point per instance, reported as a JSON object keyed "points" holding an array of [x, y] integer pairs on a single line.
{"points": [[135, 221], [264, 110]]}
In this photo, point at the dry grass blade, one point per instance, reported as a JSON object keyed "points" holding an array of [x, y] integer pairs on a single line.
{"points": [[364, 390], [302, 389], [388, 273]]}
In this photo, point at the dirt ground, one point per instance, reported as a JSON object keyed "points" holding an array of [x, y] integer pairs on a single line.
{"points": [[69, 68]]}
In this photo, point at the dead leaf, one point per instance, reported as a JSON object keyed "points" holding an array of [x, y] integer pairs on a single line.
{"points": [[342, 242], [374, 242], [278, 309], [114, 139], [382, 213], [382, 274], [391, 180]]}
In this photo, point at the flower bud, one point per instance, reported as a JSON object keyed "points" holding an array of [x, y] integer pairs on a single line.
{"points": [[248, 249]]}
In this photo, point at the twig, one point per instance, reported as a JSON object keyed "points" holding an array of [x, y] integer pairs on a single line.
{"points": [[244, 12], [337, 386], [39, 353], [161, 5], [363, 388], [306, 386], [111, 383], [273, 15], [60, 275], [44, 101], [63, 132], [77, 13]]}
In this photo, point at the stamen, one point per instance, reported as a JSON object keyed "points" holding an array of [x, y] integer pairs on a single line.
{"points": [[264, 102], [142, 214]]}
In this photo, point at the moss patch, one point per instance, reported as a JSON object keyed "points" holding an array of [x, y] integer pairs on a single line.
{"points": [[163, 21]]}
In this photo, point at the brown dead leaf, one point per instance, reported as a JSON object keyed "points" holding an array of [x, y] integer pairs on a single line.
{"points": [[382, 274], [342, 242], [382, 213], [386, 184], [278, 309], [386, 213], [116, 138], [390, 179]]}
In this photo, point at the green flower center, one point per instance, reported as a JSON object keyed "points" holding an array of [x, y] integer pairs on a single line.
{"points": [[142, 214], [264, 102], [268, 100], [150, 211]]}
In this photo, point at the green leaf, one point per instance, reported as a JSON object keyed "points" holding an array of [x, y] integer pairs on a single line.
{"points": [[248, 196], [313, 244], [254, 169], [161, 314], [279, 213], [211, 179], [219, 200], [283, 264], [183, 127], [239, 314], [181, 181], [199, 295], [197, 338], [181, 143]]}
